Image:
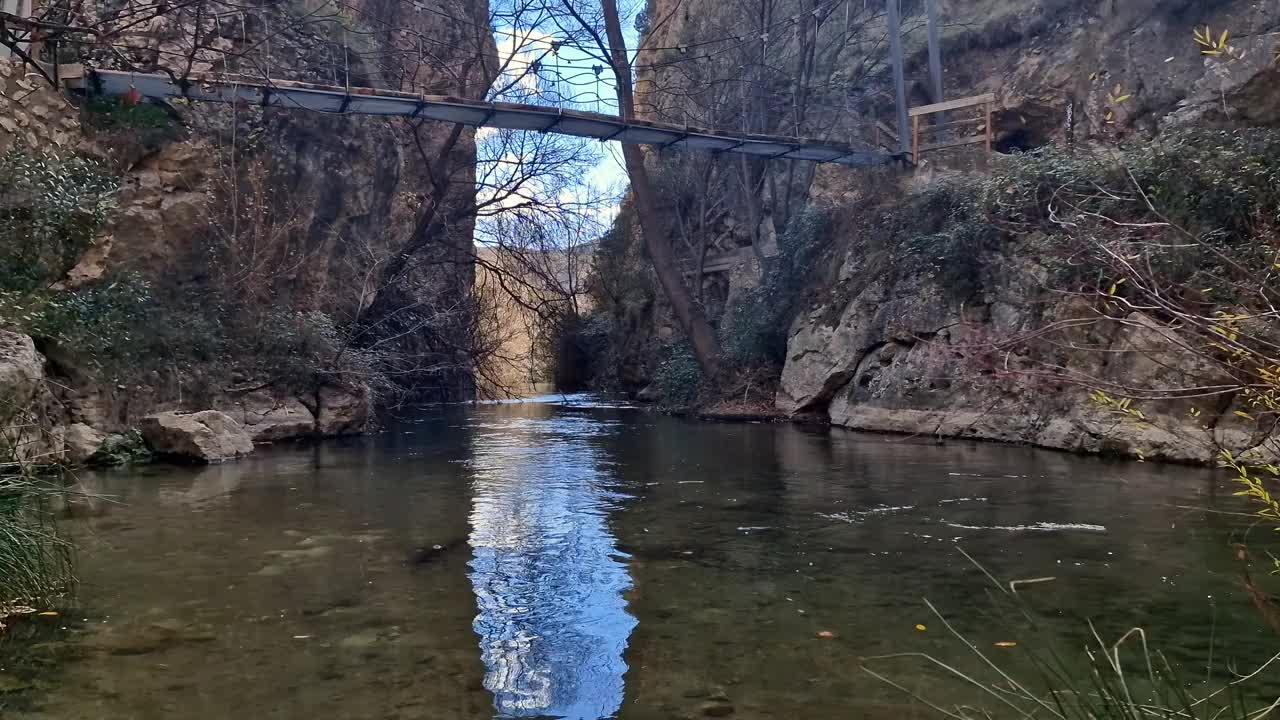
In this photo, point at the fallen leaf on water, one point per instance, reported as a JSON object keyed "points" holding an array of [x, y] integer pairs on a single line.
{"points": [[47, 613], [826, 634], [921, 628], [1006, 643]]}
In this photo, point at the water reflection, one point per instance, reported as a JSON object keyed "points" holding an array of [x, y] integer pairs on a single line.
{"points": [[547, 575]]}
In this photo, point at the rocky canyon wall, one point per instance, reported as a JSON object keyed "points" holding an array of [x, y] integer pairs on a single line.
{"points": [[898, 351], [289, 214]]}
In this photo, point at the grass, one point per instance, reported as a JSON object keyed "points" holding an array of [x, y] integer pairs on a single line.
{"points": [[1121, 680], [35, 562]]}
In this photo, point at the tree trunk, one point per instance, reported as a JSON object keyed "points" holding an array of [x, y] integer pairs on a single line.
{"points": [[706, 347]]}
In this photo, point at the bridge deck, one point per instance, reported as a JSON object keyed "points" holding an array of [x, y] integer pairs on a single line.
{"points": [[370, 101]]}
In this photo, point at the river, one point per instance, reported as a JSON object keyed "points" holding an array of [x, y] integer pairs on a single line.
{"points": [[572, 558]]}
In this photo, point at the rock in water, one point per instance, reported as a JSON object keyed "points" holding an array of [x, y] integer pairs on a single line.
{"points": [[344, 412], [81, 442], [207, 436], [268, 419]]}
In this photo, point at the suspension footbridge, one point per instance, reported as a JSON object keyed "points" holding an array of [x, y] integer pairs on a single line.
{"points": [[474, 113]]}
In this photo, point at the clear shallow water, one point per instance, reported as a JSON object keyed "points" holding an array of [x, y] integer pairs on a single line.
{"points": [[579, 559]]}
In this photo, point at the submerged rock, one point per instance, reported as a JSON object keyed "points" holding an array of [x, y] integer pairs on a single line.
{"points": [[208, 436], [717, 709]]}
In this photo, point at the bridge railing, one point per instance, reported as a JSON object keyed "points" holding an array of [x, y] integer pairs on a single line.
{"points": [[983, 104]]}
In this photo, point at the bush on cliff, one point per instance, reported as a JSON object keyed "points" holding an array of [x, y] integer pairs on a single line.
{"points": [[753, 330], [51, 207]]}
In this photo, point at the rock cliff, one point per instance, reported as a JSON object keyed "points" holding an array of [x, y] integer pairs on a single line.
{"points": [[285, 215], [902, 351]]}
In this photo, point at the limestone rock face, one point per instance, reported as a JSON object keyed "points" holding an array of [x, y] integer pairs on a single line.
{"points": [[269, 419], [208, 436], [910, 359], [32, 114], [344, 412], [21, 373], [81, 442]]}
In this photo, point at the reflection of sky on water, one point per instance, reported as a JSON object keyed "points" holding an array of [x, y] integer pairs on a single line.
{"points": [[548, 580]]}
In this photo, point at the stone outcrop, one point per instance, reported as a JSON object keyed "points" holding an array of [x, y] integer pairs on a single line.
{"points": [[21, 373], [906, 360], [269, 419], [81, 442], [207, 436], [32, 114], [344, 412]]}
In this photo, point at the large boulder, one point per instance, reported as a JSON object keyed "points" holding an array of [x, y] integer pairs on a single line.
{"points": [[21, 373], [344, 412], [270, 419], [81, 442], [207, 436]]}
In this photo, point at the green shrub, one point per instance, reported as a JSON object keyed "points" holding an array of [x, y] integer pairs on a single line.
{"points": [[112, 113], [949, 237], [100, 323], [754, 327], [679, 377], [50, 209], [1220, 187], [117, 450], [301, 352]]}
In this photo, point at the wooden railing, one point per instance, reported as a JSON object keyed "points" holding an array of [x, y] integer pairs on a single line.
{"points": [[982, 103]]}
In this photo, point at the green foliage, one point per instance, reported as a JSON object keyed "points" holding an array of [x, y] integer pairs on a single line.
{"points": [[1218, 183], [50, 209], [112, 113], [100, 322], [1213, 182], [754, 327], [948, 237], [300, 352], [679, 377], [118, 450], [1219, 186]]}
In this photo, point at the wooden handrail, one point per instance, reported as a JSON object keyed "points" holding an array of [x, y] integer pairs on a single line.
{"points": [[953, 105], [981, 101]]}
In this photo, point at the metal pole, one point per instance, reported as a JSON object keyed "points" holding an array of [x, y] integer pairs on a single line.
{"points": [[935, 58], [899, 79]]}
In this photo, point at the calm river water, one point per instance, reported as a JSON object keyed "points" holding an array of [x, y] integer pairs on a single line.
{"points": [[573, 559]]}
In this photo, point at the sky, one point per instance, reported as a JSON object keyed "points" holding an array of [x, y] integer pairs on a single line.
{"points": [[566, 78]]}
